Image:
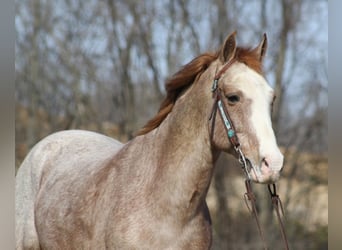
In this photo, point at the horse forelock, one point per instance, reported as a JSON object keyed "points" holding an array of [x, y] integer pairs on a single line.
{"points": [[249, 57], [188, 74]]}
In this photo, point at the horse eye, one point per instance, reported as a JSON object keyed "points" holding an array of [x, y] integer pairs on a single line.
{"points": [[233, 98]]}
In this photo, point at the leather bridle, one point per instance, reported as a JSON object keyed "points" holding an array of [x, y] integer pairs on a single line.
{"points": [[227, 121], [246, 165]]}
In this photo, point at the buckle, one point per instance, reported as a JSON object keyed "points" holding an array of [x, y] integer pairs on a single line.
{"points": [[243, 162]]}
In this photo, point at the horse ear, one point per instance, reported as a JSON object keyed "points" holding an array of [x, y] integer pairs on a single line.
{"points": [[228, 48], [261, 48]]}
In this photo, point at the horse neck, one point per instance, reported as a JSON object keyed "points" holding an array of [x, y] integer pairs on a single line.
{"points": [[183, 154]]}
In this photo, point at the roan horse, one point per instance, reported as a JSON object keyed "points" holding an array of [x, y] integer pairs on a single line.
{"points": [[82, 190]]}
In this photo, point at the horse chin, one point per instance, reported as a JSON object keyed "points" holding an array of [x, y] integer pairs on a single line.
{"points": [[264, 175]]}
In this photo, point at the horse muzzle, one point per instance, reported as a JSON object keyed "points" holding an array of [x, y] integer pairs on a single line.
{"points": [[267, 171]]}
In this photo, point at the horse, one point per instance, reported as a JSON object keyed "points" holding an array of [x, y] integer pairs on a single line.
{"points": [[83, 190]]}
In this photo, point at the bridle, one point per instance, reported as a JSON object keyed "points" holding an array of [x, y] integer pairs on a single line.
{"points": [[249, 196], [227, 121]]}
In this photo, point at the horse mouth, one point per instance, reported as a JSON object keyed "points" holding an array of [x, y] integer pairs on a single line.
{"points": [[261, 174]]}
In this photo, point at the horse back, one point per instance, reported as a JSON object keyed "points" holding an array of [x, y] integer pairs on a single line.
{"points": [[60, 162]]}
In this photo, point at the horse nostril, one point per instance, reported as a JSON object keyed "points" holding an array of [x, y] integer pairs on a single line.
{"points": [[265, 162]]}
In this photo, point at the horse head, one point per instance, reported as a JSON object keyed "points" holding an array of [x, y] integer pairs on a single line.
{"points": [[248, 99]]}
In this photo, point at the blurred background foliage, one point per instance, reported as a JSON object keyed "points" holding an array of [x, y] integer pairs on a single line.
{"points": [[101, 65]]}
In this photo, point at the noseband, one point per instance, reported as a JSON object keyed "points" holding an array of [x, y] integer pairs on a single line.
{"points": [[234, 140]]}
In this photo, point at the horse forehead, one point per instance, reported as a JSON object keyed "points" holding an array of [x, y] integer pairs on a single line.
{"points": [[250, 82]]}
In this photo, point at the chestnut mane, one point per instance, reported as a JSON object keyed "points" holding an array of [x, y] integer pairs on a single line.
{"points": [[186, 76]]}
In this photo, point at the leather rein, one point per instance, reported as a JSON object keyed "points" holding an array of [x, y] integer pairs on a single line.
{"points": [[249, 196]]}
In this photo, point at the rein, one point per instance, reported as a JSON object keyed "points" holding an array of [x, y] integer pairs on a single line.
{"points": [[249, 196]]}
